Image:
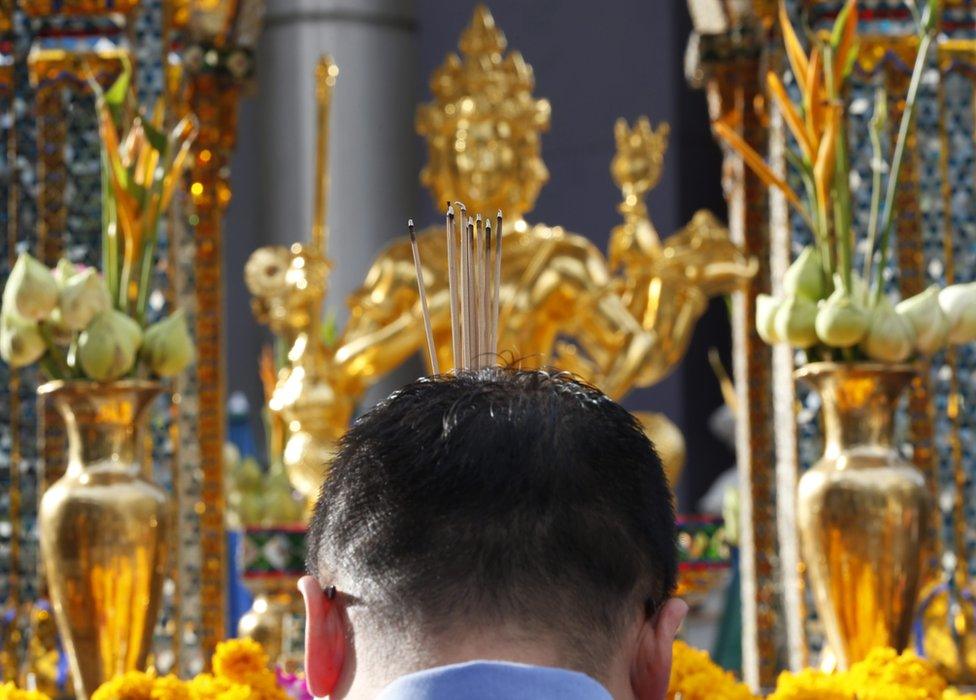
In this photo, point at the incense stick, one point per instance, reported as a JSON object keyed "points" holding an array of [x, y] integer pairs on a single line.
{"points": [[472, 331], [431, 349], [497, 290], [479, 292], [452, 284], [466, 235], [474, 288], [489, 294]]}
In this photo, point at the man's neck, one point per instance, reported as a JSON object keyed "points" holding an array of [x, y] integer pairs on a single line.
{"points": [[502, 645]]}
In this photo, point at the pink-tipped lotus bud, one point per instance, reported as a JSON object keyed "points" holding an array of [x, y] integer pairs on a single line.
{"points": [[167, 347], [958, 303], [841, 321], [107, 347], [21, 342], [83, 296], [925, 315], [805, 276], [766, 308], [795, 320], [31, 291], [890, 338]]}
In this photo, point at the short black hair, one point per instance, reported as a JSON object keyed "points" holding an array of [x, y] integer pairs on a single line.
{"points": [[499, 495]]}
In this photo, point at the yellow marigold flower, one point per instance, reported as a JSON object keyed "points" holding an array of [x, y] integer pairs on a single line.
{"points": [[170, 688], [209, 687], [810, 684], [953, 694], [131, 685], [9, 691], [240, 660], [694, 676], [265, 687], [883, 675]]}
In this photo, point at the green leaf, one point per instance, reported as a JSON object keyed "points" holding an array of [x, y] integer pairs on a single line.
{"points": [[837, 33], [931, 16], [137, 191], [116, 95], [799, 162], [852, 58], [156, 138]]}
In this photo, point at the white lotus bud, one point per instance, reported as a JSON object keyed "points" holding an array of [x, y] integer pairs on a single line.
{"points": [[766, 308], [21, 342], [65, 270], [83, 296], [31, 290], [794, 322], [167, 347], [925, 315], [890, 338], [841, 321], [107, 347], [805, 276], [958, 303]]}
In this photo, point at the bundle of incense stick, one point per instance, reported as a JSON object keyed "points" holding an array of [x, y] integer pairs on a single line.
{"points": [[474, 267]]}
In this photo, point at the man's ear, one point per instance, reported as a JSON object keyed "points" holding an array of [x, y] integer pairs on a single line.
{"points": [[652, 663], [325, 639]]}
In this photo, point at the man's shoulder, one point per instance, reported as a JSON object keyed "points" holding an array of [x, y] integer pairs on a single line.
{"points": [[494, 680]]}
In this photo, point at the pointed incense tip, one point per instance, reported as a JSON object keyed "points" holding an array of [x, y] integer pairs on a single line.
{"points": [[499, 214], [478, 217], [450, 211], [413, 235]]}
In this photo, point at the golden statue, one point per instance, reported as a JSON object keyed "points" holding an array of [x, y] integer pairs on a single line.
{"points": [[618, 326], [312, 400]]}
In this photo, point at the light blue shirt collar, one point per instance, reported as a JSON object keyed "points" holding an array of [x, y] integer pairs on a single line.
{"points": [[494, 680]]}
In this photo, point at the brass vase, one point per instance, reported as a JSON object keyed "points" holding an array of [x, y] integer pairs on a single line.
{"points": [[862, 512], [103, 530]]}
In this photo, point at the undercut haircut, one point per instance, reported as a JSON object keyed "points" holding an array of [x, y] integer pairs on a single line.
{"points": [[499, 497]]}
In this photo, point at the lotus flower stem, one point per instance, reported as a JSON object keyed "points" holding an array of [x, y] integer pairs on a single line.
{"points": [[145, 269], [887, 213], [50, 367], [54, 358], [879, 123], [110, 239]]}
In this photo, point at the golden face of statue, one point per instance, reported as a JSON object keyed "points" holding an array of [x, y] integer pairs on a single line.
{"points": [[487, 164], [483, 126]]}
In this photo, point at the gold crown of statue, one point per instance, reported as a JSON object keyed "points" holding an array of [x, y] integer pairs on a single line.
{"points": [[483, 86]]}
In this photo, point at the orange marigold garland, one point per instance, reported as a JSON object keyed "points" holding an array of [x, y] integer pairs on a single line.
{"points": [[241, 672]]}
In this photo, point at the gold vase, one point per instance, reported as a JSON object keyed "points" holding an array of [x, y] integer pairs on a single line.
{"points": [[103, 530], [862, 512]]}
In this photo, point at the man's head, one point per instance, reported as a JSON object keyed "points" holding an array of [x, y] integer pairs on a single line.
{"points": [[497, 514]]}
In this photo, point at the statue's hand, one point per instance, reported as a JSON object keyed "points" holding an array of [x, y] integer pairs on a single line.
{"points": [[704, 254]]}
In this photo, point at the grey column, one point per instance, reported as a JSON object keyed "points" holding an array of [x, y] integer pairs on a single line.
{"points": [[373, 154]]}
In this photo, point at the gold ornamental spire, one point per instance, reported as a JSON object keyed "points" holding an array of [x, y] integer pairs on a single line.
{"points": [[483, 126]]}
